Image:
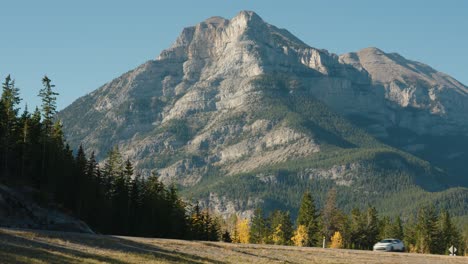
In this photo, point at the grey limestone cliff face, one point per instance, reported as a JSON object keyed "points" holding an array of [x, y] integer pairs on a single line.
{"points": [[209, 103], [418, 97]]}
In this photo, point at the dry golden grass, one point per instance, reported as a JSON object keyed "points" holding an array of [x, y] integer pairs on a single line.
{"points": [[20, 246]]}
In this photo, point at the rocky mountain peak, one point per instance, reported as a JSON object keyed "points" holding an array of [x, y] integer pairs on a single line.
{"points": [[248, 19], [247, 46], [215, 31], [238, 96]]}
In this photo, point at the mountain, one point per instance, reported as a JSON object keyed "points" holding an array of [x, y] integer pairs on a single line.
{"points": [[241, 114]]}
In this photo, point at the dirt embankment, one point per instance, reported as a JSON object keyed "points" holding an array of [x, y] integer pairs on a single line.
{"points": [[18, 209]]}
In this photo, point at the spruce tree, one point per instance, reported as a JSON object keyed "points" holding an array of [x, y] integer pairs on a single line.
{"points": [[357, 225], [178, 223], [94, 192], [450, 236], [25, 141], [81, 183], [427, 230], [307, 216], [372, 227], [136, 195], [385, 228], [396, 229], [281, 229], [36, 153], [113, 169], [258, 228], [8, 127], [128, 170], [49, 104]]}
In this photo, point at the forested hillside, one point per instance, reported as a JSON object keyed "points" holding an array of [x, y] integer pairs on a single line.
{"points": [[113, 199]]}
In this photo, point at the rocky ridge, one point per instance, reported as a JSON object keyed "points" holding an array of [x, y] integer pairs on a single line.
{"points": [[233, 97]]}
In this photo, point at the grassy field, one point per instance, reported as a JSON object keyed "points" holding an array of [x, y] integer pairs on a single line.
{"points": [[28, 246]]}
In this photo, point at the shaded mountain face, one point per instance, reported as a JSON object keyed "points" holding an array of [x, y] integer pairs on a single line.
{"points": [[241, 114]]}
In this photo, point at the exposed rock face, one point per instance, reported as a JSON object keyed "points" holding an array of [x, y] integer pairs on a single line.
{"points": [[420, 98], [340, 174], [19, 211], [230, 96], [227, 207]]}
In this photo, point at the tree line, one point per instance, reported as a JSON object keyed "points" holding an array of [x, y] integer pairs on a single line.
{"points": [[428, 232], [112, 199]]}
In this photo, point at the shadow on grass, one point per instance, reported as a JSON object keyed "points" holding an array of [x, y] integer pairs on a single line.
{"points": [[15, 249], [241, 249], [38, 249], [128, 245]]}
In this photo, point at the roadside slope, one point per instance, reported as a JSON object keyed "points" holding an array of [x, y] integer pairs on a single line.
{"points": [[26, 246]]}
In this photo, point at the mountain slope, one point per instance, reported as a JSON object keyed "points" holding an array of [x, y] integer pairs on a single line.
{"points": [[241, 113], [428, 116]]}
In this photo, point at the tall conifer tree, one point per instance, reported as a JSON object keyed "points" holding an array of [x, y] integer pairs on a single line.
{"points": [[308, 217], [258, 228], [8, 113]]}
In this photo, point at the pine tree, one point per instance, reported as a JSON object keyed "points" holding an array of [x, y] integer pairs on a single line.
{"points": [[8, 127], [136, 202], [80, 183], [203, 226], [357, 225], [212, 227], [372, 227], [95, 191], [48, 111], [450, 236], [49, 105], [410, 235], [128, 170], [10, 100], [396, 229], [24, 141], [258, 228], [113, 168], [385, 228], [36, 153], [427, 230], [226, 237], [307, 216], [178, 223], [281, 230]]}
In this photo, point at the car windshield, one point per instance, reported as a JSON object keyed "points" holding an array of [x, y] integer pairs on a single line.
{"points": [[386, 241]]}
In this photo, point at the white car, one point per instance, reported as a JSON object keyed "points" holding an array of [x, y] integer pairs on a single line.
{"points": [[389, 244]]}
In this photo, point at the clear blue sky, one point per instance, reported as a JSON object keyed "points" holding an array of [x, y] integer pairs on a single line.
{"points": [[83, 44]]}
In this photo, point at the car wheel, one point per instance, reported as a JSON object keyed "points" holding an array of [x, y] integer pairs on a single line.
{"points": [[403, 249]]}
